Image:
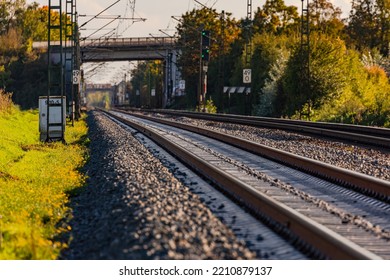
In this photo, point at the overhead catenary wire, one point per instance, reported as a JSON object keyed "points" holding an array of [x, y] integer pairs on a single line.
{"points": [[94, 17], [101, 28]]}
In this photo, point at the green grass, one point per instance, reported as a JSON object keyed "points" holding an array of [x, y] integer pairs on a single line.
{"points": [[35, 180]]}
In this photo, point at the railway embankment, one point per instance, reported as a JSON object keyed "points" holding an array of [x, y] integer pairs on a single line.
{"points": [[36, 181]]}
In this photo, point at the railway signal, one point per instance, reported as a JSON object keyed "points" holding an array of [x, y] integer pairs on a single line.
{"points": [[205, 54], [205, 45]]}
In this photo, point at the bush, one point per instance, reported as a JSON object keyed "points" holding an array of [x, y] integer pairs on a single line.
{"points": [[271, 90], [210, 107], [327, 76], [365, 99], [6, 104]]}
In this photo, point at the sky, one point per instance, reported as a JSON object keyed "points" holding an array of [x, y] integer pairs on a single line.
{"points": [[158, 15]]}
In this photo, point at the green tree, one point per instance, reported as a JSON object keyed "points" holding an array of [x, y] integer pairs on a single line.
{"points": [[369, 24], [10, 13], [145, 77], [223, 32], [327, 78], [268, 49], [35, 23], [275, 17], [21, 70], [326, 18], [365, 98]]}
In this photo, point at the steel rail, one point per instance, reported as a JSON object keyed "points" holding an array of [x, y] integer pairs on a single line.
{"points": [[316, 235], [375, 136], [360, 129], [361, 182]]}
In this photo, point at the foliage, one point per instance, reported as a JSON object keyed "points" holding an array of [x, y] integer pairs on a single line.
{"points": [[269, 50], [374, 58], [369, 25], [223, 32], [29, 81], [35, 180], [267, 106], [99, 99], [10, 12], [327, 79], [325, 18], [210, 107], [276, 18], [35, 23], [365, 99], [145, 77], [21, 71], [6, 105]]}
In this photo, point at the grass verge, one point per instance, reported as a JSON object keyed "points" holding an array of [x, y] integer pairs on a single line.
{"points": [[35, 180]]}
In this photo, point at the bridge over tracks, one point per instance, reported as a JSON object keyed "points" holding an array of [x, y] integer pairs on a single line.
{"points": [[132, 49], [119, 49]]}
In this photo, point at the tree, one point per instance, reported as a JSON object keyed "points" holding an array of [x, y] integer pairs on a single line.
{"points": [[268, 49], [366, 97], [327, 78], [35, 23], [275, 17], [145, 77], [10, 12], [325, 18], [269, 104], [369, 25], [223, 32]]}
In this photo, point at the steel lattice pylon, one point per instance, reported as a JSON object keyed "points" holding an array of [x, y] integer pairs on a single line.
{"points": [[248, 55], [69, 56], [248, 51], [72, 59], [55, 93], [305, 52]]}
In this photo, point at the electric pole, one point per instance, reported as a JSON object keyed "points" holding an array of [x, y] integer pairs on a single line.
{"points": [[305, 52], [247, 71]]}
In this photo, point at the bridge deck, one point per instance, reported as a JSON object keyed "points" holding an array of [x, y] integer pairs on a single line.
{"points": [[119, 49], [114, 42]]}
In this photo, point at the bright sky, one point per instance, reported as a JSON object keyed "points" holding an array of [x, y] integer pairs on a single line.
{"points": [[158, 12], [158, 15]]}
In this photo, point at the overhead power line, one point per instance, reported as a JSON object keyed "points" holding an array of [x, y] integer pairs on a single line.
{"points": [[94, 17]]}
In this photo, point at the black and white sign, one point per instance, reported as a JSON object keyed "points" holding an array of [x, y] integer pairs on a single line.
{"points": [[76, 77], [247, 76]]}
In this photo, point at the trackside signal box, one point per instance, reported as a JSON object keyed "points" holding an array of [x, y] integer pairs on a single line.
{"points": [[56, 122]]}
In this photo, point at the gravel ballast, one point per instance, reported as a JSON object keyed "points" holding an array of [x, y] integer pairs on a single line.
{"points": [[368, 161], [133, 208]]}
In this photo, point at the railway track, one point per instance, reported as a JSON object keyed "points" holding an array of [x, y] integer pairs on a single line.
{"points": [[372, 136], [325, 217], [360, 182]]}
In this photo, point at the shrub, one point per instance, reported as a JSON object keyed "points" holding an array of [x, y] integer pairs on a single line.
{"points": [[6, 104], [365, 99]]}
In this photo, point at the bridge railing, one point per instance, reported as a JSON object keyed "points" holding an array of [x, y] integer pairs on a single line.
{"points": [[128, 42], [116, 42]]}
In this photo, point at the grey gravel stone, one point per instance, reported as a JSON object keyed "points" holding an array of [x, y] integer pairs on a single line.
{"points": [[368, 161], [133, 208]]}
